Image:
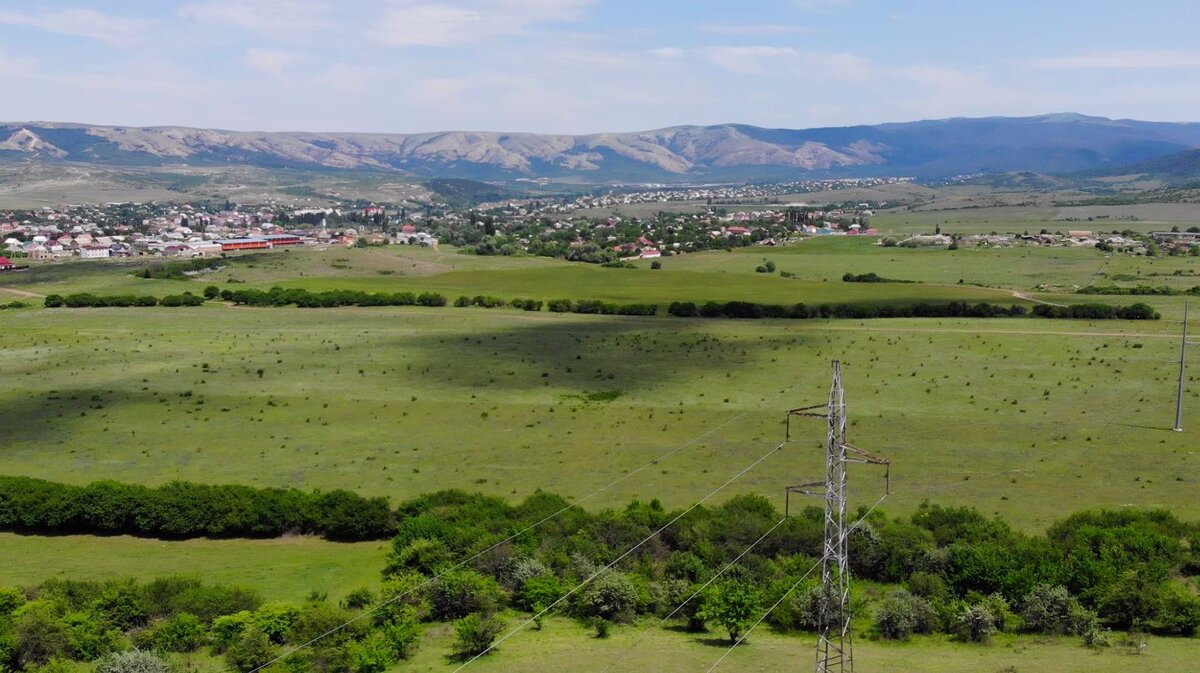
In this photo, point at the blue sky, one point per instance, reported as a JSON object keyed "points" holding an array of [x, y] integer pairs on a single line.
{"points": [[581, 66]]}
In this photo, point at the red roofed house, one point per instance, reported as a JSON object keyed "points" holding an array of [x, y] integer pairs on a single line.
{"points": [[651, 253], [6, 264]]}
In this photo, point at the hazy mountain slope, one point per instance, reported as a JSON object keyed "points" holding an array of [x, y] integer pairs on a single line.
{"points": [[1049, 143], [1175, 168]]}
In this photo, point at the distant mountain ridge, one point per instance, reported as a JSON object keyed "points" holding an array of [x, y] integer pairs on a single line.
{"points": [[1055, 143]]}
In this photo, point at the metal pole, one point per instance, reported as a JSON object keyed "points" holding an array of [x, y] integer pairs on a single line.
{"points": [[1182, 362]]}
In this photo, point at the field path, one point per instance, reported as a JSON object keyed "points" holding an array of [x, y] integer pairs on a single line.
{"points": [[1022, 295], [20, 293]]}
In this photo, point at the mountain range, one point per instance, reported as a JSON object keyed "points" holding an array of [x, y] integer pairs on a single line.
{"points": [[1057, 143]]}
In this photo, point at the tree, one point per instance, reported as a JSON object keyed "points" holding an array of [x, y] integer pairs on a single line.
{"points": [[461, 592], [733, 604], [474, 635], [610, 596], [1052, 610], [41, 635], [250, 650], [212, 292], [901, 614]]}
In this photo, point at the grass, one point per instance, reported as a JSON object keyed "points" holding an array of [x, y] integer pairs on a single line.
{"points": [[1027, 419], [401, 401], [564, 645], [282, 569]]}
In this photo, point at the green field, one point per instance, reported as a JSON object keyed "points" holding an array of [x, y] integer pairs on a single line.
{"points": [[1028, 419], [283, 569], [563, 645]]}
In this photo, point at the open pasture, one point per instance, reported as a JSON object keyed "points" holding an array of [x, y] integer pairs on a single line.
{"points": [[396, 402], [280, 569]]}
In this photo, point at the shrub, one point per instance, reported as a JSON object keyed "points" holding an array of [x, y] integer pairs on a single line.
{"points": [[179, 633], [133, 661], [901, 614], [656, 265], [734, 604], [1052, 610], [975, 623], [539, 592], [461, 592], [474, 635], [251, 649], [358, 599], [610, 596]]}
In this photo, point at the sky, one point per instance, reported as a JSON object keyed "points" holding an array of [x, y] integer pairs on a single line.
{"points": [[586, 66]]}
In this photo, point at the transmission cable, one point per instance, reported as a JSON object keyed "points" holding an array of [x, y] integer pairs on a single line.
{"points": [[793, 587], [620, 558], [565, 508]]}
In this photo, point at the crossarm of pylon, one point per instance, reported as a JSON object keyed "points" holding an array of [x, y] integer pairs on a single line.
{"points": [[866, 457], [805, 489]]}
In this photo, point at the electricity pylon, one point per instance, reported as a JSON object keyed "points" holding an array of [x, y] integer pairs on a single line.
{"points": [[835, 647]]}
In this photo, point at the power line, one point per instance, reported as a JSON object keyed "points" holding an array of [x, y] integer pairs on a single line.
{"points": [[707, 584], [620, 558], [782, 598], [376, 608]]}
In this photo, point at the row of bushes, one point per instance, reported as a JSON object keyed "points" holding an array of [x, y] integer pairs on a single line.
{"points": [[87, 300], [71, 620], [1138, 311], [962, 573], [954, 309], [179, 270], [1139, 290], [497, 302], [744, 309], [14, 305], [871, 277], [598, 307], [186, 510], [278, 296]]}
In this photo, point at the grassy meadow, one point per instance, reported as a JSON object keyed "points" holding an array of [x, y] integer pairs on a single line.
{"points": [[1028, 419]]}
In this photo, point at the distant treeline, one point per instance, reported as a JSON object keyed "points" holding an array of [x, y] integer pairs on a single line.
{"points": [[302, 298], [871, 277], [1138, 311], [185, 510], [86, 300], [278, 296], [954, 309], [1139, 290]]}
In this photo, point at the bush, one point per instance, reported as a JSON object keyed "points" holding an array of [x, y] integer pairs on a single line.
{"points": [[474, 635], [358, 599], [901, 614], [462, 592], [610, 596], [656, 265], [734, 604], [179, 633], [975, 623], [133, 661], [1052, 610], [251, 649]]}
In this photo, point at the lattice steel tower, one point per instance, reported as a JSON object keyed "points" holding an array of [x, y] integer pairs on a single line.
{"points": [[835, 647]]}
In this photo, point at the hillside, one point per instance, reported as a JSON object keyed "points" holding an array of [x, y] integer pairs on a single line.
{"points": [[1173, 169], [1044, 144]]}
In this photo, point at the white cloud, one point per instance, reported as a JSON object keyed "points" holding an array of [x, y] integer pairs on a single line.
{"points": [[269, 61], [114, 30], [1122, 59], [443, 24], [787, 61], [274, 17], [820, 5], [668, 52], [759, 29], [17, 67]]}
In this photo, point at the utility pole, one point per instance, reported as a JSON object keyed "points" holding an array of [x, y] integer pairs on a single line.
{"points": [[835, 647], [1182, 364]]}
